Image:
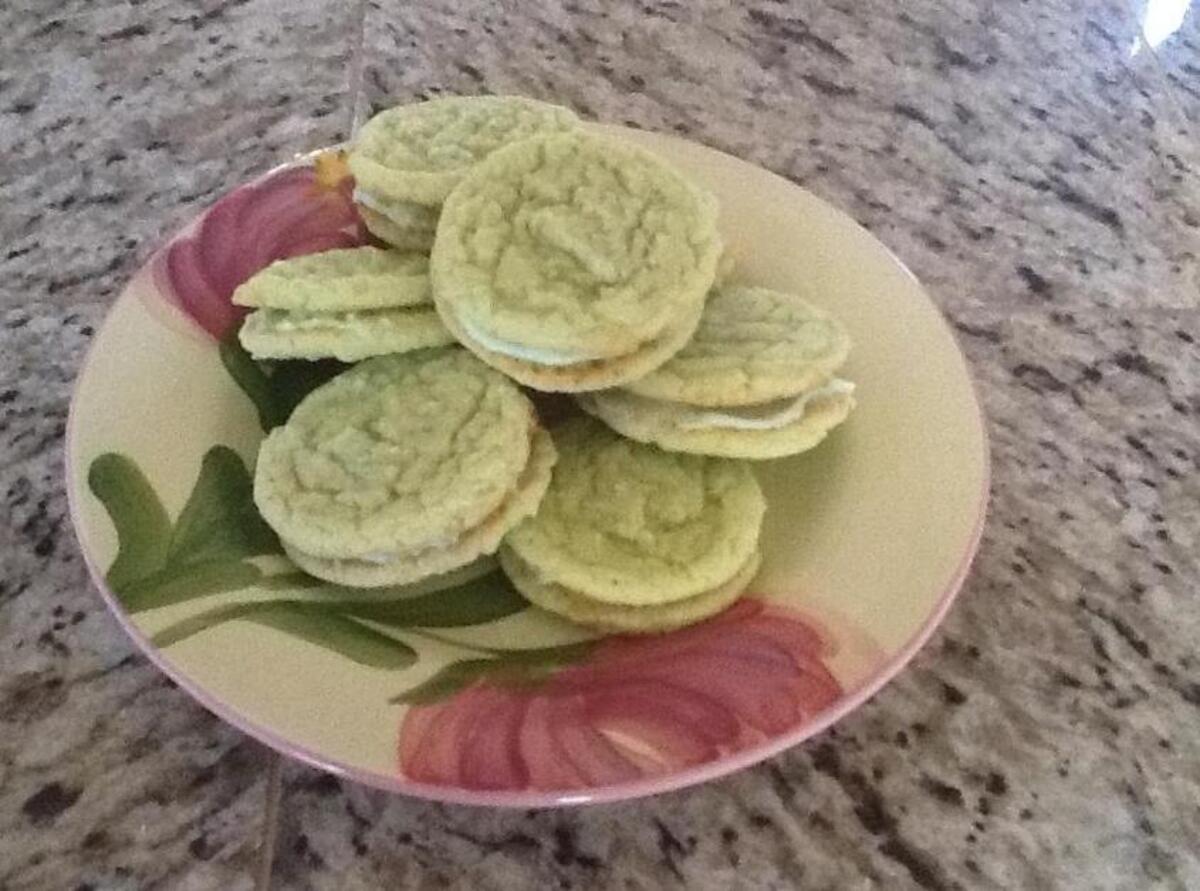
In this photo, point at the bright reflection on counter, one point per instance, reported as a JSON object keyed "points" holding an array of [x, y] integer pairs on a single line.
{"points": [[1160, 19]]}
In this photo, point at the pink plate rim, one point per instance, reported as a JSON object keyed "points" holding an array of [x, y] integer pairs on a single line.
{"points": [[522, 799]]}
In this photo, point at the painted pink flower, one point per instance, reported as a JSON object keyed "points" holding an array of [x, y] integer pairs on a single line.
{"points": [[300, 210], [636, 706]]}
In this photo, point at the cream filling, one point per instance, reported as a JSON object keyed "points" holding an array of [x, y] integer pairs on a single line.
{"points": [[763, 415], [389, 210], [539, 355]]}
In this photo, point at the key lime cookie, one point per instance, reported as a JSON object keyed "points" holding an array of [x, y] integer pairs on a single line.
{"points": [[403, 467], [756, 381], [634, 538], [346, 336], [344, 304], [572, 262], [340, 280], [402, 224], [417, 153]]}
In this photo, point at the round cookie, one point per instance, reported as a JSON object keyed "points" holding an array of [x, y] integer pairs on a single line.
{"points": [[399, 454], [753, 345], [339, 281], [627, 523], [348, 336], [474, 543], [620, 617], [419, 152], [569, 248], [679, 427]]}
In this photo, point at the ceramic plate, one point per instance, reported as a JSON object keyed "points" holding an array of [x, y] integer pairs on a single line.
{"points": [[467, 694]]}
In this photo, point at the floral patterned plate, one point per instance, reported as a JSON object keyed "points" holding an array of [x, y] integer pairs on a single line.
{"points": [[468, 694]]}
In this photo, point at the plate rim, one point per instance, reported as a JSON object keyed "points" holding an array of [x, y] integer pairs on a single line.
{"points": [[626, 791]]}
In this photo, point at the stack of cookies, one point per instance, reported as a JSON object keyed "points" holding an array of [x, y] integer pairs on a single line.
{"points": [[406, 160], [564, 262], [401, 468], [346, 304]]}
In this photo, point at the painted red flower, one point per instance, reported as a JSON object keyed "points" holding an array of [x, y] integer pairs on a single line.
{"points": [[299, 210], [635, 707]]}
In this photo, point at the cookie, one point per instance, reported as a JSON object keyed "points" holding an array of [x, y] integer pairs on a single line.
{"points": [[569, 250], [348, 336], [339, 281], [758, 432], [753, 345], [756, 381], [625, 523], [394, 234], [398, 456], [480, 540], [419, 152], [621, 617], [402, 224]]}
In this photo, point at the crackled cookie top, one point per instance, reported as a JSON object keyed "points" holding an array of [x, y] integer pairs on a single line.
{"points": [[419, 152], [339, 280], [401, 453], [573, 247], [624, 522], [753, 345]]}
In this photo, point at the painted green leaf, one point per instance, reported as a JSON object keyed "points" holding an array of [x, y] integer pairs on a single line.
{"points": [[143, 528], [220, 521], [317, 625], [480, 600], [252, 381], [185, 628], [446, 682], [507, 667], [175, 584], [340, 634]]}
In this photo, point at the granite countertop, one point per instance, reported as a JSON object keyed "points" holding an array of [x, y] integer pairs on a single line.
{"points": [[1035, 164]]}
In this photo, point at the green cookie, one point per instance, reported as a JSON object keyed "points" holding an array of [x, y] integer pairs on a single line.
{"points": [[399, 455], [419, 152], [339, 281], [348, 336], [625, 523], [753, 345], [568, 248]]}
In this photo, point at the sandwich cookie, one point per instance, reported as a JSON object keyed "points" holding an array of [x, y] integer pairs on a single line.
{"points": [[756, 381], [571, 262], [407, 159], [632, 538], [403, 467], [346, 304]]}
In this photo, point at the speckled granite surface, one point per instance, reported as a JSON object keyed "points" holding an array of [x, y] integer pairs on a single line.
{"points": [[1037, 175]]}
